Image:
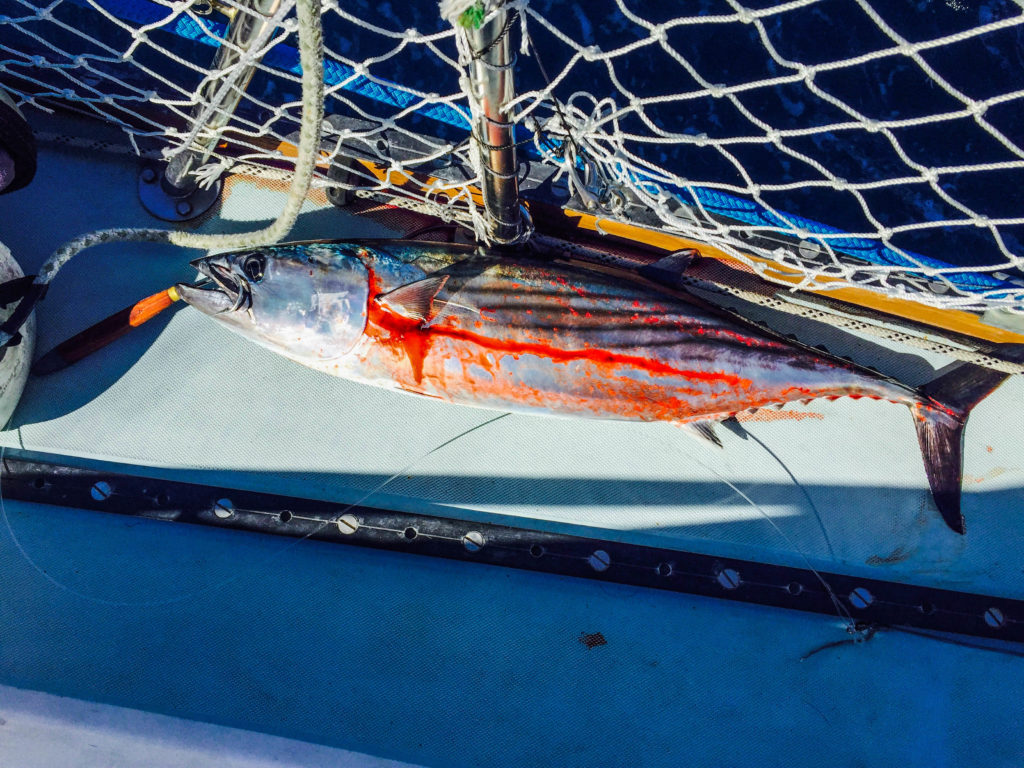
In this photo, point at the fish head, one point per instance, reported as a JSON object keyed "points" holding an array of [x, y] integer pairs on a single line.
{"points": [[308, 302]]}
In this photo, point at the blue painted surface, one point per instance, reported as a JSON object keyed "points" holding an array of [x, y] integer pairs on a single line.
{"points": [[453, 664]]}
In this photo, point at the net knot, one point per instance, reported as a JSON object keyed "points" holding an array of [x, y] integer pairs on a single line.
{"points": [[977, 108], [591, 52], [717, 91], [659, 34], [744, 15], [930, 175]]}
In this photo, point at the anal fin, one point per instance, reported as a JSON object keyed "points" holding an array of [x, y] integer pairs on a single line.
{"points": [[703, 430]]}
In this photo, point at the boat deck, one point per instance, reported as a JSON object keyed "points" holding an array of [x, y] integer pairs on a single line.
{"points": [[441, 663]]}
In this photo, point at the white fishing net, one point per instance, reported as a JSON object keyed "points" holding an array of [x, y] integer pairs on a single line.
{"points": [[826, 142]]}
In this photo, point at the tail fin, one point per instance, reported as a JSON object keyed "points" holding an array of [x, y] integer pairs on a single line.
{"points": [[940, 430]]}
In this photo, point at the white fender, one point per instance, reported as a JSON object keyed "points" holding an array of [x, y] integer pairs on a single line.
{"points": [[15, 366]]}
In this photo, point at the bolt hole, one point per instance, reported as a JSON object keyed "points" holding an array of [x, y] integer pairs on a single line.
{"points": [[163, 500], [411, 533], [537, 550], [382, 145], [664, 569], [926, 608], [38, 483], [284, 516], [442, 199], [795, 588]]}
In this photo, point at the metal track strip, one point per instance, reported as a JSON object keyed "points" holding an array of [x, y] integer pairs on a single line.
{"points": [[868, 602]]}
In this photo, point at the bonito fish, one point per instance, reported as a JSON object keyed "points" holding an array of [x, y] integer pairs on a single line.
{"points": [[450, 322]]}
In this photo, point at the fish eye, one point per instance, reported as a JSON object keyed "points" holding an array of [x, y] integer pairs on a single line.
{"points": [[253, 267]]}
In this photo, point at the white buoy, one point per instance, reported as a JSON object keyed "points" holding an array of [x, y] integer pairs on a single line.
{"points": [[15, 366]]}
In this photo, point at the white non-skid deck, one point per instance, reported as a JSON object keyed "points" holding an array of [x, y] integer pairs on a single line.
{"points": [[441, 663]]}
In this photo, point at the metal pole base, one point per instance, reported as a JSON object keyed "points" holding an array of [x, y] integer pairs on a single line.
{"points": [[170, 203]]}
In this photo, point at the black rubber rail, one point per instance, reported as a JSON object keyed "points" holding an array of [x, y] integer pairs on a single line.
{"points": [[868, 602]]}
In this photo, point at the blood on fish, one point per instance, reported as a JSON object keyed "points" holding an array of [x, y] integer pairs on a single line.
{"points": [[409, 335], [421, 358]]}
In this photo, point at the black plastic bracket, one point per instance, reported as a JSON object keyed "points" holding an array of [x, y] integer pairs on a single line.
{"points": [[863, 602]]}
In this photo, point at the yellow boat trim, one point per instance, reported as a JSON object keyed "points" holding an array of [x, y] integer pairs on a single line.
{"points": [[957, 321]]}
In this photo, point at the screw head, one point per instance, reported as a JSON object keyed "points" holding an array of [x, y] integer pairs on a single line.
{"points": [[599, 560], [100, 490], [995, 618], [861, 598], [223, 508], [148, 175], [183, 207], [348, 524], [473, 541], [728, 578]]}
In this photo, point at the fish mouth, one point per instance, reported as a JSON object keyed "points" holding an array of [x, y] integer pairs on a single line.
{"points": [[223, 290]]}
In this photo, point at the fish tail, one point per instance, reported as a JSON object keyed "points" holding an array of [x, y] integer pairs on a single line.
{"points": [[941, 415]]}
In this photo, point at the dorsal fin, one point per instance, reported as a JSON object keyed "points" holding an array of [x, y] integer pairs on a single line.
{"points": [[414, 300], [668, 269]]}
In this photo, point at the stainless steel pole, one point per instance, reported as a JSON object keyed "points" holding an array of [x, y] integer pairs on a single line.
{"points": [[493, 88], [177, 196]]}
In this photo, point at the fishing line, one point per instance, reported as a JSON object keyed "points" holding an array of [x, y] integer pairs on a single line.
{"points": [[953, 641], [840, 608], [231, 579], [817, 514]]}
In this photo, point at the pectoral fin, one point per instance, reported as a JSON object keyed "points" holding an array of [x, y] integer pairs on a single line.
{"points": [[414, 300]]}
